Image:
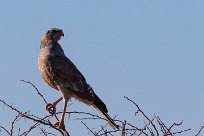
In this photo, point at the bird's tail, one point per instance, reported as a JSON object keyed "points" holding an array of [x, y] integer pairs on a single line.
{"points": [[101, 107]]}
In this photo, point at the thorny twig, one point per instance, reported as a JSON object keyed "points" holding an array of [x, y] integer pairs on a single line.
{"points": [[151, 126], [139, 110], [28, 82], [37, 120], [123, 128], [13, 122], [5, 130], [199, 132], [88, 128]]}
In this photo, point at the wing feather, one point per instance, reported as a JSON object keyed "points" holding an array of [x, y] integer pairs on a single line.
{"points": [[65, 73]]}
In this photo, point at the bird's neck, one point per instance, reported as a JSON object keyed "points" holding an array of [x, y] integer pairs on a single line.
{"points": [[53, 47], [50, 43]]}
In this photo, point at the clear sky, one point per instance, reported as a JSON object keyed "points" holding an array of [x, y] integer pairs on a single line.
{"points": [[150, 51]]}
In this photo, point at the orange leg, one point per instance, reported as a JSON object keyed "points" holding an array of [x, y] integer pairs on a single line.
{"points": [[57, 101], [61, 123], [52, 107]]}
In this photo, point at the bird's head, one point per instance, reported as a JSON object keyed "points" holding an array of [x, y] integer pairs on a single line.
{"points": [[53, 34]]}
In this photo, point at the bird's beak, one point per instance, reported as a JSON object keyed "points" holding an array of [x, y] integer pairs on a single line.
{"points": [[62, 34]]}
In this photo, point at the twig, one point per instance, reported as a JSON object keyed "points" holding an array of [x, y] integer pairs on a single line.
{"points": [[123, 128], [143, 115], [151, 126], [34, 119], [199, 132], [13, 122], [5, 130], [38, 92], [28, 82], [179, 132], [88, 128], [146, 125]]}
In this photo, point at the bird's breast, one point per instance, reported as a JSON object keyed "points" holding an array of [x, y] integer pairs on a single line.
{"points": [[44, 72]]}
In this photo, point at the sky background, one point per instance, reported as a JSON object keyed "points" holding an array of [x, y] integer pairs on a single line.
{"points": [[149, 51]]}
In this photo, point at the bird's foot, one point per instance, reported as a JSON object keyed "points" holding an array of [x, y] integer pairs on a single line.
{"points": [[51, 108], [60, 125]]}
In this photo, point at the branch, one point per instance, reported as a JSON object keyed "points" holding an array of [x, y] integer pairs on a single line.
{"points": [[139, 110], [199, 132], [152, 126]]}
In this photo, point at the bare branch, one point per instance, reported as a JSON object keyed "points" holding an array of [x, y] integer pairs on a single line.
{"points": [[28, 82], [199, 132], [123, 128], [139, 110], [89, 129], [5, 130], [152, 126]]}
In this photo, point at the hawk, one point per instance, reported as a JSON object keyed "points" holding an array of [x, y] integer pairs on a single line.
{"points": [[61, 74]]}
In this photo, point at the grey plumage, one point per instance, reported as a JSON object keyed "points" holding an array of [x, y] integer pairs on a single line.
{"points": [[61, 74]]}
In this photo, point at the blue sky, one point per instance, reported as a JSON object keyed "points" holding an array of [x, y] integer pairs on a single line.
{"points": [[150, 51]]}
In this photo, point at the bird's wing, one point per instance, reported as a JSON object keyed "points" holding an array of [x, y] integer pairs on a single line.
{"points": [[65, 73]]}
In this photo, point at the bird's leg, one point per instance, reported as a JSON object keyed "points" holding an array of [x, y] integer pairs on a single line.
{"points": [[52, 107], [61, 123]]}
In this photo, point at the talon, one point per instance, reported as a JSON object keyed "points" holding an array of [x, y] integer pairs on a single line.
{"points": [[48, 105], [56, 124], [60, 125], [51, 108]]}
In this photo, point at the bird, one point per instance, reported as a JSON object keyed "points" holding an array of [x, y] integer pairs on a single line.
{"points": [[60, 73]]}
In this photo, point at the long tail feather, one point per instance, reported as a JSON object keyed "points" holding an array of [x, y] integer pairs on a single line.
{"points": [[109, 119], [101, 107]]}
